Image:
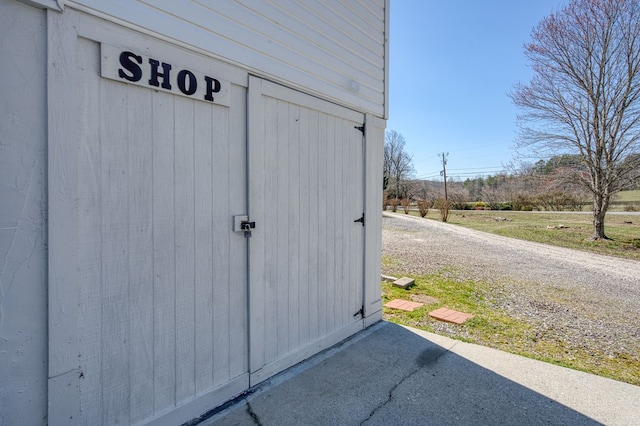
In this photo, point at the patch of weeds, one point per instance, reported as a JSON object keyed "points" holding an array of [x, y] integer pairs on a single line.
{"points": [[389, 263], [494, 327], [490, 326], [619, 366], [632, 244]]}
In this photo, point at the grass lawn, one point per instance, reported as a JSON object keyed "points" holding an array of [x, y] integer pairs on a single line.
{"points": [[496, 328], [571, 230], [627, 196]]}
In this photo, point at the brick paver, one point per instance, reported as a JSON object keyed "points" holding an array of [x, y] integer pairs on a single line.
{"points": [[404, 305], [449, 315]]}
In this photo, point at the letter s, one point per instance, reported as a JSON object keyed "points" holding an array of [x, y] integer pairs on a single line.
{"points": [[127, 61]]}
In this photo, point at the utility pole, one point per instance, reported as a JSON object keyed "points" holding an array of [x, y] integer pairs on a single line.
{"points": [[444, 172]]}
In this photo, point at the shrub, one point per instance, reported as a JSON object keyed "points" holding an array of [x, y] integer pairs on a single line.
{"points": [[423, 207], [479, 205], [630, 208], [405, 205], [522, 202], [394, 204], [444, 206], [385, 201], [558, 201]]}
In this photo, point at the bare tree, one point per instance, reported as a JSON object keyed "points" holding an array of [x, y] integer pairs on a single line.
{"points": [[584, 97], [421, 189], [458, 195], [397, 166]]}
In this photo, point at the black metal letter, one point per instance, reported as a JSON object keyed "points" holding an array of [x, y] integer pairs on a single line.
{"points": [[213, 86], [127, 61], [166, 69], [193, 82]]}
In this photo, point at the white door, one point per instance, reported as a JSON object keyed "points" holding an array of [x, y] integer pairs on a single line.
{"points": [[162, 277], [306, 254]]}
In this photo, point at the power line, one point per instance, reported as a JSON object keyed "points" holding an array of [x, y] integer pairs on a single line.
{"points": [[452, 173], [479, 168]]}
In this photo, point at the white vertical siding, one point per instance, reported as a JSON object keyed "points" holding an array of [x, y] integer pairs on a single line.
{"points": [[113, 187], [149, 290], [164, 272], [63, 272], [307, 254], [140, 277], [23, 220], [373, 202], [90, 248], [334, 48], [159, 305], [205, 123]]}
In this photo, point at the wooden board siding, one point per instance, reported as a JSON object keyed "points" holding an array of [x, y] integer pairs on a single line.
{"points": [[157, 293], [23, 215], [333, 48], [373, 239], [158, 311], [306, 180]]}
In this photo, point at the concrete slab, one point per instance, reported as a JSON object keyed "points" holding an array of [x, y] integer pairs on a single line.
{"points": [[404, 282], [392, 375]]}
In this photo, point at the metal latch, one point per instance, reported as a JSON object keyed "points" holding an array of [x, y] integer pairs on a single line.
{"points": [[242, 224]]}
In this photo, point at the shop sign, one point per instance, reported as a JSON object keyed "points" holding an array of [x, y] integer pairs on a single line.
{"points": [[130, 67]]}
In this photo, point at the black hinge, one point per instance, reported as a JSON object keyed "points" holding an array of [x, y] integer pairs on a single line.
{"points": [[360, 312], [361, 128], [361, 220]]}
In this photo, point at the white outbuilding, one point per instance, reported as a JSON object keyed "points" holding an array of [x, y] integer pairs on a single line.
{"points": [[190, 197]]}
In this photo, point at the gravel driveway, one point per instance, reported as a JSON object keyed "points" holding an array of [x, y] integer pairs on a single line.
{"points": [[588, 301]]}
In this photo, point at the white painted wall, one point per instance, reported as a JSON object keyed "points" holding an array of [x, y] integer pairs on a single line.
{"points": [[162, 318], [306, 156], [23, 250], [374, 145], [41, 264], [147, 278], [333, 48]]}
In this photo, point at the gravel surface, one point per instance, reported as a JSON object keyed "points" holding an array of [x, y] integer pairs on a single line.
{"points": [[587, 301]]}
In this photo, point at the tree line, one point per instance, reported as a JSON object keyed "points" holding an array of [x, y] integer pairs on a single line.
{"points": [[545, 185]]}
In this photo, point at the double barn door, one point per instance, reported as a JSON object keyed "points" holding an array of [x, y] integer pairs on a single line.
{"points": [[176, 311]]}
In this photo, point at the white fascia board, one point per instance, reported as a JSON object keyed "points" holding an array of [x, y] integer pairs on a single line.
{"points": [[57, 5]]}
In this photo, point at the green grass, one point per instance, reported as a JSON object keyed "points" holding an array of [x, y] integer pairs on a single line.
{"points": [[571, 230], [495, 328], [628, 196]]}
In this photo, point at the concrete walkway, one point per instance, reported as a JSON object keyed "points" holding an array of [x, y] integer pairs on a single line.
{"points": [[393, 375]]}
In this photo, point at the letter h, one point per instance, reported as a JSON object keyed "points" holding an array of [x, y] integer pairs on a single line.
{"points": [[165, 74]]}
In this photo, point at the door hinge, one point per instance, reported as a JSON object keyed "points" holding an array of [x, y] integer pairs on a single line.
{"points": [[361, 128], [361, 220], [360, 312]]}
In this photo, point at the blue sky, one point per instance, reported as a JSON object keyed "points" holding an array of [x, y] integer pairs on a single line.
{"points": [[452, 63]]}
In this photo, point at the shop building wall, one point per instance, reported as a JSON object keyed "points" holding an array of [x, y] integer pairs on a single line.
{"points": [[23, 240], [334, 49]]}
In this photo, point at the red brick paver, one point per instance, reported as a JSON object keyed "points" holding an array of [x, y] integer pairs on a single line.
{"points": [[404, 305], [449, 315]]}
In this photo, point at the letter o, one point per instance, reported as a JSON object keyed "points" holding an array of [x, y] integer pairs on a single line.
{"points": [[191, 87]]}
